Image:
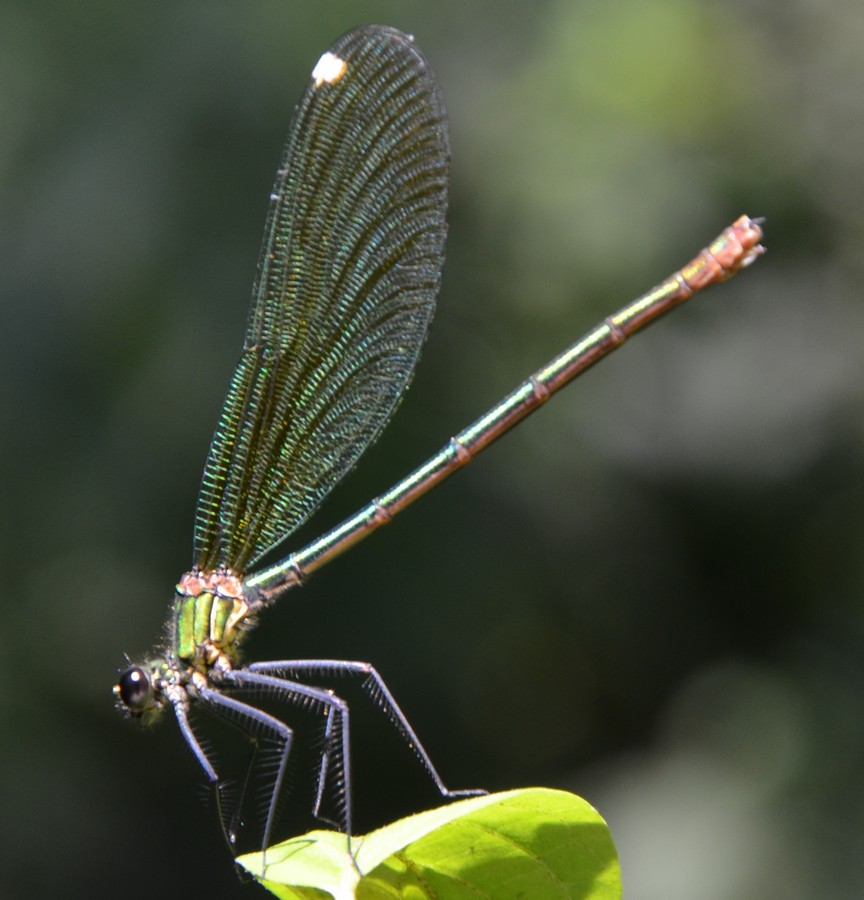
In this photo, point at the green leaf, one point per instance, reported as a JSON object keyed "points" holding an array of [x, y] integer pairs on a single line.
{"points": [[519, 844]]}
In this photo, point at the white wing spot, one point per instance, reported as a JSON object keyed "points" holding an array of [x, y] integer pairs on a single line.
{"points": [[329, 69]]}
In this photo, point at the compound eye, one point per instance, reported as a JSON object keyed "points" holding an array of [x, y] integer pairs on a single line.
{"points": [[134, 688]]}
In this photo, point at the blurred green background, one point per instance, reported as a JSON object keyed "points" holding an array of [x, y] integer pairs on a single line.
{"points": [[651, 594]]}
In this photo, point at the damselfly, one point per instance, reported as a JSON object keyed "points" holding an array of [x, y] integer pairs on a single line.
{"points": [[346, 285]]}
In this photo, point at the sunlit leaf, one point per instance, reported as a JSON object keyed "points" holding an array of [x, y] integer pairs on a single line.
{"points": [[527, 843]]}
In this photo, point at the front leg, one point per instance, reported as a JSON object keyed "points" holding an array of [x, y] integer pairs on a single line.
{"points": [[181, 711]]}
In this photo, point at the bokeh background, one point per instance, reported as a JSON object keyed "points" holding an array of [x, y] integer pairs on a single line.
{"points": [[651, 594]]}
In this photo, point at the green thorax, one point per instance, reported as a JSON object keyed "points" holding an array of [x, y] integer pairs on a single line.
{"points": [[210, 617]]}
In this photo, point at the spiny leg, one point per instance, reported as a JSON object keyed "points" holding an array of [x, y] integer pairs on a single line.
{"points": [[374, 686], [332, 729], [256, 724], [181, 711], [336, 738], [230, 815]]}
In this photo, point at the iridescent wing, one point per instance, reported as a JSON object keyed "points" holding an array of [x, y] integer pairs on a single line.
{"points": [[346, 285]]}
